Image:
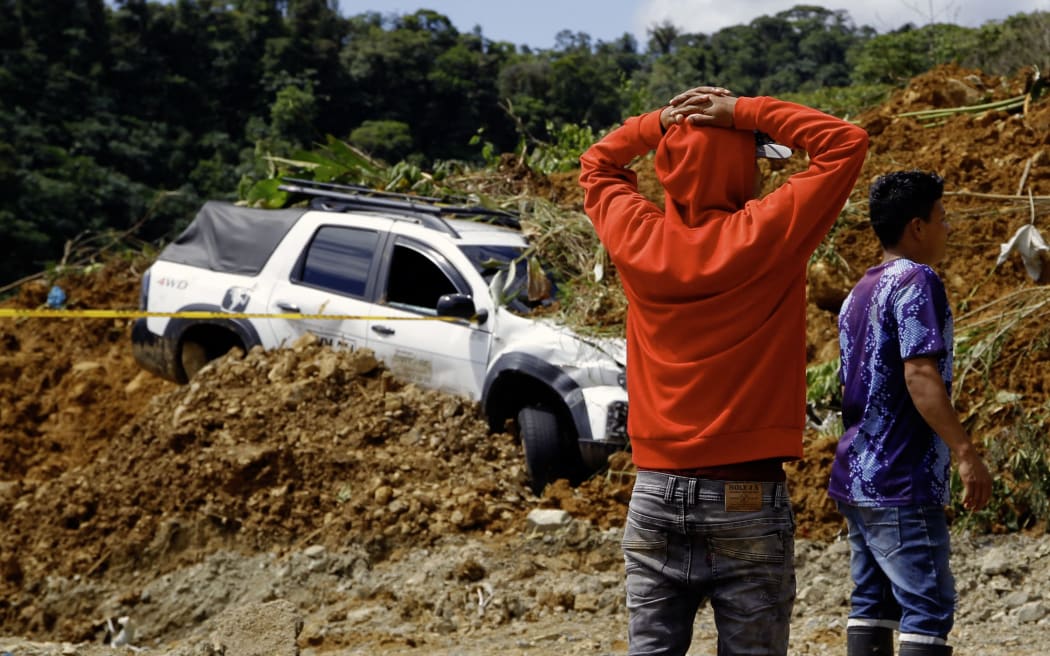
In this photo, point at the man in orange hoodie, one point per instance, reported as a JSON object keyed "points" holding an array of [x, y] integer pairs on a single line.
{"points": [[715, 283]]}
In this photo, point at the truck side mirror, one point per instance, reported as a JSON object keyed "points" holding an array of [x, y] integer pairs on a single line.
{"points": [[460, 306]]}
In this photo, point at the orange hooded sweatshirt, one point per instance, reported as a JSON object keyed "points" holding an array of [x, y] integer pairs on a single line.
{"points": [[716, 282]]}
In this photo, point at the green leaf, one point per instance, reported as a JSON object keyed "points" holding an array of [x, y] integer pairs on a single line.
{"points": [[265, 193]]}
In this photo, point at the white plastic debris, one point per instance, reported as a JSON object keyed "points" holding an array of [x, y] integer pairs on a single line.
{"points": [[1029, 243], [124, 635]]}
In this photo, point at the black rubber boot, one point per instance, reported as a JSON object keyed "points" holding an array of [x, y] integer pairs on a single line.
{"points": [[869, 641], [920, 649]]}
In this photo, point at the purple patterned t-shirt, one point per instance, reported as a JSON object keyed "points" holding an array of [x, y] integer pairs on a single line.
{"points": [[889, 455]]}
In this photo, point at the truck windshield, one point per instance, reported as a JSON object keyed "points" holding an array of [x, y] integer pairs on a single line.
{"points": [[525, 285]]}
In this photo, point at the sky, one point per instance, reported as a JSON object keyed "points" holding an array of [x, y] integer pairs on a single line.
{"points": [[536, 22]]}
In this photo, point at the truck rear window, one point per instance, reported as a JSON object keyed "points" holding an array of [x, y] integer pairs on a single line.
{"points": [[339, 259]]}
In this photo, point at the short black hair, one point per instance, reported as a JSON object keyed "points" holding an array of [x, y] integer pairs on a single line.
{"points": [[896, 198]]}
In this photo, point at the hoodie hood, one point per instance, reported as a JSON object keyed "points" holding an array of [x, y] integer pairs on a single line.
{"points": [[706, 172]]}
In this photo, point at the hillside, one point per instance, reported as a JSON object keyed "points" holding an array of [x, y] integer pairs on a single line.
{"points": [[311, 486]]}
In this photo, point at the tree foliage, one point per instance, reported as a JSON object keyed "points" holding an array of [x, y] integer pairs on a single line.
{"points": [[112, 113]]}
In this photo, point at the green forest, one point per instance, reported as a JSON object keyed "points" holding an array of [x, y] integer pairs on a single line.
{"points": [[117, 119]]}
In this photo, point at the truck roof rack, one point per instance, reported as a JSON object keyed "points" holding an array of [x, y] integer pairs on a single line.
{"points": [[430, 211]]}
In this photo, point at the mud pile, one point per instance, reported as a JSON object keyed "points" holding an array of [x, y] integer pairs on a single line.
{"points": [[109, 474], [68, 386]]}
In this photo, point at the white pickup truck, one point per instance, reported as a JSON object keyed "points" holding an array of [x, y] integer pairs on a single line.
{"points": [[438, 292]]}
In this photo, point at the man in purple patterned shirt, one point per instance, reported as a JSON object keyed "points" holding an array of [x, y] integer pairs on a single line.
{"points": [[890, 476]]}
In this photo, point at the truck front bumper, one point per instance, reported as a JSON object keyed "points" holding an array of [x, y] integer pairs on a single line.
{"points": [[607, 411]]}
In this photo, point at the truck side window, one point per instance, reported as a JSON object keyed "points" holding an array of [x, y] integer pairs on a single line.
{"points": [[416, 281], [339, 259]]}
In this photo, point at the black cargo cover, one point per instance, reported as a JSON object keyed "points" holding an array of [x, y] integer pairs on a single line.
{"points": [[231, 239]]}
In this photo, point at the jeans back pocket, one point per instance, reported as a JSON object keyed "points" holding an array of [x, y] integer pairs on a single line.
{"points": [[767, 548], [882, 528]]}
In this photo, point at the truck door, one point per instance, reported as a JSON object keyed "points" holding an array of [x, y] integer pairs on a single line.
{"points": [[445, 354], [334, 275]]}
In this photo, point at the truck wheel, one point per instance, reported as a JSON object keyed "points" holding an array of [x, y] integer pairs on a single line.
{"points": [[544, 454], [193, 357]]}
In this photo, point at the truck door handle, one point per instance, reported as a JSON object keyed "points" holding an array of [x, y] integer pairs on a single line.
{"points": [[288, 307], [382, 330]]}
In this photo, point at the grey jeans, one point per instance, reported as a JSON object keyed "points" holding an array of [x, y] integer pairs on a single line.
{"points": [[688, 540]]}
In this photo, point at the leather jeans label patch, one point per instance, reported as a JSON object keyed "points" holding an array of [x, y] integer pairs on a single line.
{"points": [[743, 497]]}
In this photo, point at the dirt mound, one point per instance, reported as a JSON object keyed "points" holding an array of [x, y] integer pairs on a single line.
{"points": [[984, 152], [262, 452], [68, 386]]}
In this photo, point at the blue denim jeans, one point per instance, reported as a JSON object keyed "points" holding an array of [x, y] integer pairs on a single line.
{"points": [[682, 546], [899, 564]]}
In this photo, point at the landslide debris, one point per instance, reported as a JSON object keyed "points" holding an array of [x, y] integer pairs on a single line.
{"points": [[111, 478]]}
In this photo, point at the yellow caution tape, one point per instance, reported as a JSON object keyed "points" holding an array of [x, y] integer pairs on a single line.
{"points": [[15, 313]]}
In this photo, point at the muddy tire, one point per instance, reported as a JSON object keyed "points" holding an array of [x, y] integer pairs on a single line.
{"points": [[193, 357], [544, 452]]}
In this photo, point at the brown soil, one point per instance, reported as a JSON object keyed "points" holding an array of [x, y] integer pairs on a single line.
{"points": [[110, 475]]}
